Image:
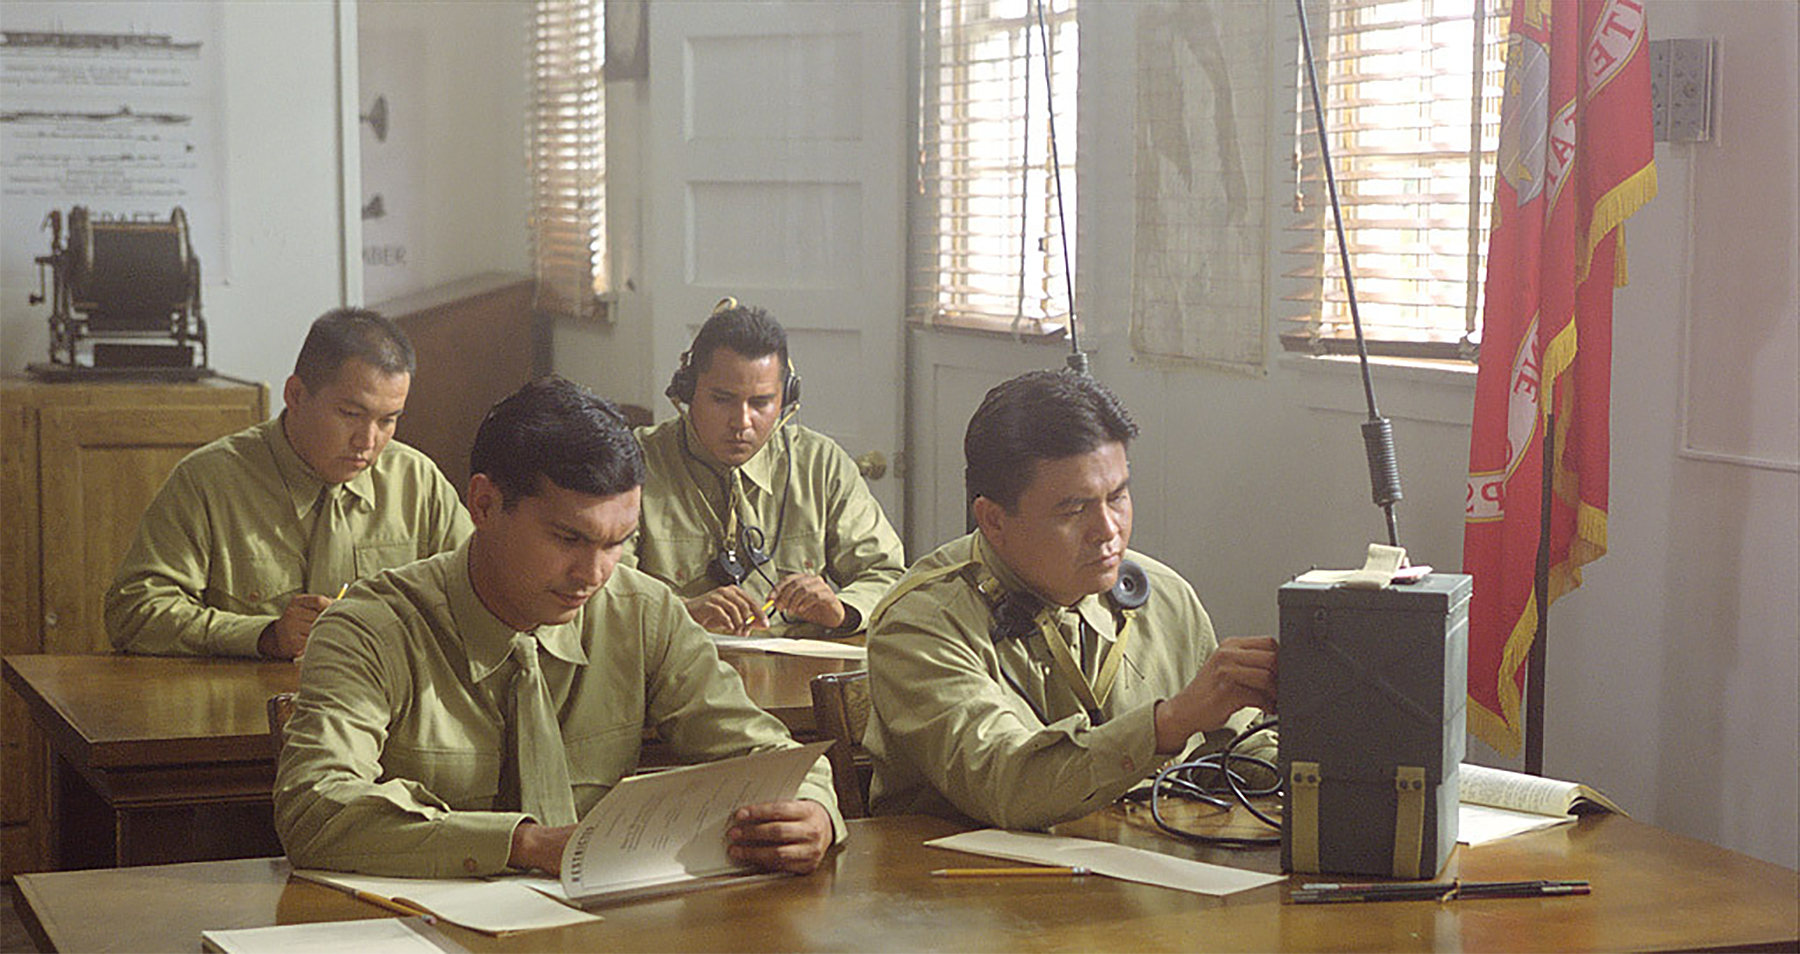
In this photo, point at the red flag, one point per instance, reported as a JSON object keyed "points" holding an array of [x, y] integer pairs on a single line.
{"points": [[1574, 161]]}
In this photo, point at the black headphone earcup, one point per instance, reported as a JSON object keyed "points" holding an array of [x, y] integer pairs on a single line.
{"points": [[682, 382], [790, 392], [1132, 589]]}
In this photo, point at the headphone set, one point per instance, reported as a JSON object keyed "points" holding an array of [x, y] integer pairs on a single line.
{"points": [[1017, 614], [686, 378], [738, 558]]}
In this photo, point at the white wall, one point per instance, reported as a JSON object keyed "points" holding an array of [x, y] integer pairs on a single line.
{"points": [[1674, 672], [472, 60], [281, 141]]}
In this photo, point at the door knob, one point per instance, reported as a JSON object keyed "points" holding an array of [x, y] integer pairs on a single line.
{"points": [[873, 465]]}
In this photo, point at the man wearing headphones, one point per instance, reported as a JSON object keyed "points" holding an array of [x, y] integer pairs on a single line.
{"points": [[755, 521], [1035, 670]]}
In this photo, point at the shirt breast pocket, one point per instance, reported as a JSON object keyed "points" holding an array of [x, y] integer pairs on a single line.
{"points": [[465, 778], [598, 760], [252, 581], [372, 558]]}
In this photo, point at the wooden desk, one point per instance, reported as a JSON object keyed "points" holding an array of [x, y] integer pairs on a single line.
{"points": [[157, 759], [1652, 891], [154, 759]]}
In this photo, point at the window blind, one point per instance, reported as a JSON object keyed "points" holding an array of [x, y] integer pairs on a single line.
{"points": [[566, 150], [986, 242], [1412, 92]]}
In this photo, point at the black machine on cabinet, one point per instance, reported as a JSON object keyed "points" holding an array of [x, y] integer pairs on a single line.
{"points": [[125, 299]]}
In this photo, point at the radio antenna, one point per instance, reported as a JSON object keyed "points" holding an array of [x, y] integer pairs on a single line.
{"points": [[1377, 431], [1077, 360]]}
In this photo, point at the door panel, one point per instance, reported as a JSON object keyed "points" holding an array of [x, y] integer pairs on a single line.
{"points": [[776, 174]]}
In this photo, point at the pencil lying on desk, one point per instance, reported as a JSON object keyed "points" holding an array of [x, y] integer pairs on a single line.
{"points": [[399, 907], [1038, 871]]}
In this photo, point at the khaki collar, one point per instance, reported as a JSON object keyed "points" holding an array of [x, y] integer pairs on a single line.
{"points": [[1092, 608], [487, 642], [302, 482]]}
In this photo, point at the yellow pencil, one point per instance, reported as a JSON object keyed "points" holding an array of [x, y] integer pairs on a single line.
{"points": [[391, 904], [342, 590], [1032, 872]]}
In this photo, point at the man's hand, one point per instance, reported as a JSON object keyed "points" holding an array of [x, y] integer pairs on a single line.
{"points": [[1240, 673], [535, 846], [809, 597], [286, 637], [781, 836], [727, 610]]}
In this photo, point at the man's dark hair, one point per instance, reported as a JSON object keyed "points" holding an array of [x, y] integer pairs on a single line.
{"points": [[344, 333], [1040, 415], [554, 429], [745, 329]]}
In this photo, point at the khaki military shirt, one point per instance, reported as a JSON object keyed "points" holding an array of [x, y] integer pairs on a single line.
{"points": [[396, 749], [801, 482], [226, 542], [966, 726]]}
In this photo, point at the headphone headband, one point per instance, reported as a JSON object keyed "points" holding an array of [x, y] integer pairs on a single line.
{"points": [[686, 378]]}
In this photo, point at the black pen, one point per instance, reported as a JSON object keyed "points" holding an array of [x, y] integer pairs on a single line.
{"points": [[1326, 893]]}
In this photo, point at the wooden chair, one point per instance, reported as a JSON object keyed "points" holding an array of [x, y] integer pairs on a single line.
{"points": [[841, 713], [281, 709]]}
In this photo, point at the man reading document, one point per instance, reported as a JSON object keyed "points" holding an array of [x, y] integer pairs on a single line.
{"points": [[458, 715]]}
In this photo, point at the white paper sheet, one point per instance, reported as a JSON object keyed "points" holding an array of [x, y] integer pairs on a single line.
{"points": [[1105, 858], [819, 648], [370, 936], [1480, 824], [501, 906]]}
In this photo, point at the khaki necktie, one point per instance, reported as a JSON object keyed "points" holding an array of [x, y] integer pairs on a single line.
{"points": [[543, 767], [331, 555]]}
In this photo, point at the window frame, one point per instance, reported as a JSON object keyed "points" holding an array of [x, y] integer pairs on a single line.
{"points": [[1310, 265]]}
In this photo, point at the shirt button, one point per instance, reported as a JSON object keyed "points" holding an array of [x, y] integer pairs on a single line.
{"points": [[1128, 763], [470, 865]]}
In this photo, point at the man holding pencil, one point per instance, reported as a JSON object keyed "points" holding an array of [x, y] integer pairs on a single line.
{"points": [[757, 522], [253, 534], [458, 715]]}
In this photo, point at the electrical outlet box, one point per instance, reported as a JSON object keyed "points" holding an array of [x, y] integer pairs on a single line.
{"points": [[1681, 89]]}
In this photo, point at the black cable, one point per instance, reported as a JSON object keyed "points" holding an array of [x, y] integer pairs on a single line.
{"points": [[1377, 431], [1180, 778]]}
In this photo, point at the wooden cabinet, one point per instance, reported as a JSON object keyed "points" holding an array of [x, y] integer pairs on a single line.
{"points": [[79, 462]]}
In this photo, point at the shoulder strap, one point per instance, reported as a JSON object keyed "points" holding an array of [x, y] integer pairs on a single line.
{"points": [[913, 582]]}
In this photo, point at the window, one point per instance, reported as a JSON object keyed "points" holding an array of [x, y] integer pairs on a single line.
{"points": [[567, 154], [1412, 92], [986, 239]]}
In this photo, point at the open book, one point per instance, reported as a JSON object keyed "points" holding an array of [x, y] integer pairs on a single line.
{"points": [[655, 833], [665, 831], [1498, 803]]}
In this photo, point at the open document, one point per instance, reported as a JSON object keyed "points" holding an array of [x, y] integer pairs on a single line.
{"points": [[666, 830], [1497, 803], [653, 833], [1105, 858]]}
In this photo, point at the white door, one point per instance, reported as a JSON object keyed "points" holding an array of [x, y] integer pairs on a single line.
{"points": [[775, 174]]}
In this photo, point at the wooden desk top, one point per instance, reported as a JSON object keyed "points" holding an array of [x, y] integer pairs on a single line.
{"points": [[1652, 891], [124, 711]]}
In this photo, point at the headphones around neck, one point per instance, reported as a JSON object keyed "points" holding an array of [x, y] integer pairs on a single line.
{"points": [[687, 377], [1015, 612]]}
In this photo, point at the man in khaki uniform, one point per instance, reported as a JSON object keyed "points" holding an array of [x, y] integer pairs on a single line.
{"points": [[253, 534], [456, 716], [746, 514], [1013, 683]]}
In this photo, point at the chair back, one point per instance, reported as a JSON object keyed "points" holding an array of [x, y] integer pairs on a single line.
{"points": [[281, 709], [841, 713]]}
